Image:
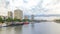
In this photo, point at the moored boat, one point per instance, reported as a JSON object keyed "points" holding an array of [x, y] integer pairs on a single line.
{"points": [[4, 25], [26, 22]]}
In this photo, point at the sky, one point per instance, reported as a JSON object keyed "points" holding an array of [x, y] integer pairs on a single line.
{"points": [[36, 7]]}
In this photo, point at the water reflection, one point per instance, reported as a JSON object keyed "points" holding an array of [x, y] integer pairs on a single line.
{"points": [[18, 30], [36, 28], [32, 28]]}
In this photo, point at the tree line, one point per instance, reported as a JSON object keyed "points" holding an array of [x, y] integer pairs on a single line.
{"points": [[13, 20]]}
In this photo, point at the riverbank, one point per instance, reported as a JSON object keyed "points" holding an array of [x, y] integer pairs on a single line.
{"points": [[57, 20], [12, 24]]}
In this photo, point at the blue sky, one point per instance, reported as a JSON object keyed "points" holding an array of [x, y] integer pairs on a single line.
{"points": [[36, 7]]}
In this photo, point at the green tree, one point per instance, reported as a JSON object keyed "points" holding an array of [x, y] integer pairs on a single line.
{"points": [[17, 20], [1, 20], [9, 19], [24, 20]]}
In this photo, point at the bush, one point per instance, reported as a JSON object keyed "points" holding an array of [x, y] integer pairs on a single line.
{"points": [[1, 20], [24, 20], [9, 20], [17, 20]]}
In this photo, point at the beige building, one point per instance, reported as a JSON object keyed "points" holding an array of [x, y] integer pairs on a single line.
{"points": [[10, 14], [18, 14]]}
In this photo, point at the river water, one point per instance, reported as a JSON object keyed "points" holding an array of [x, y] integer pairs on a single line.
{"points": [[36, 28]]}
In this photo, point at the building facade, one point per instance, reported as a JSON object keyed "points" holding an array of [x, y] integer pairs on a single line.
{"points": [[10, 14], [18, 14]]}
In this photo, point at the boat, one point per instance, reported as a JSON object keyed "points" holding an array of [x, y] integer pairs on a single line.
{"points": [[26, 22], [16, 24], [4, 25]]}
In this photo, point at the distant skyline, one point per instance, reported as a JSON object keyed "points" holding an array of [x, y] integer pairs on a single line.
{"points": [[35, 7]]}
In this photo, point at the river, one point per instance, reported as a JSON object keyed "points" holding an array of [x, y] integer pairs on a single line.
{"points": [[36, 28]]}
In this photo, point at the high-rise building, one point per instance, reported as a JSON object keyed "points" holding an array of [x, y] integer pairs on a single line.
{"points": [[26, 17], [10, 14], [32, 17], [18, 14]]}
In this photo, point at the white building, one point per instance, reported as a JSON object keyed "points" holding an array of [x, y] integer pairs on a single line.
{"points": [[10, 14], [18, 14]]}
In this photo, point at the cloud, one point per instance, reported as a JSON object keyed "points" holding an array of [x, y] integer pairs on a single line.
{"points": [[36, 6]]}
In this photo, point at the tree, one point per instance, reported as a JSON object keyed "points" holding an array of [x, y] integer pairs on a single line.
{"points": [[1, 20], [9, 19], [17, 20], [24, 20]]}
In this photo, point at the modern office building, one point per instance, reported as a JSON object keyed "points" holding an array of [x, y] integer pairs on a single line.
{"points": [[10, 14], [18, 14]]}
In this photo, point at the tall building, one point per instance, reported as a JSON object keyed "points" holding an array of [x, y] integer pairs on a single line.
{"points": [[32, 17], [26, 17], [18, 14], [10, 14]]}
